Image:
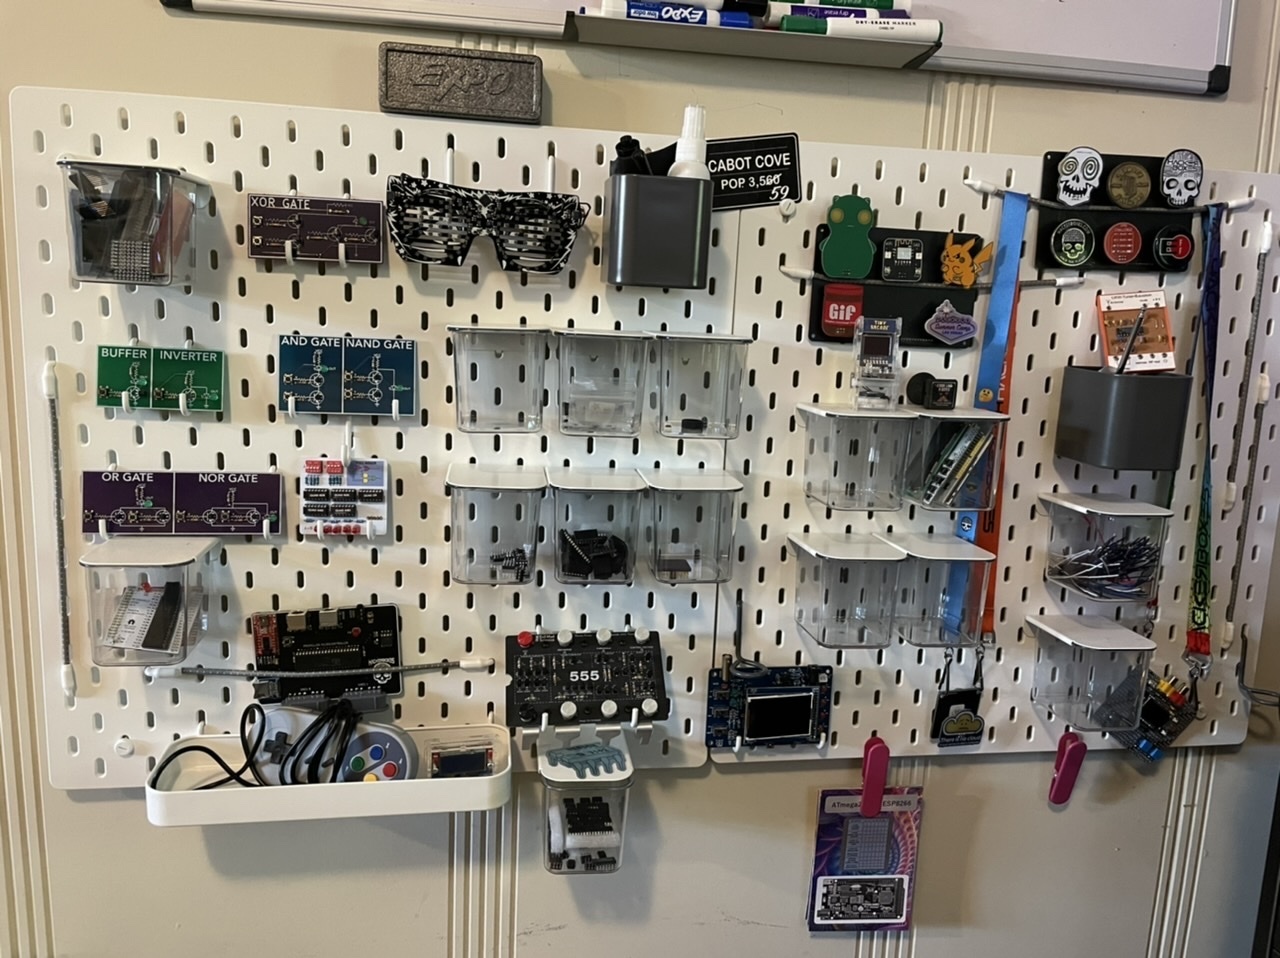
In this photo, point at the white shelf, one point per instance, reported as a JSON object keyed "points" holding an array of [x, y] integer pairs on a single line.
{"points": [[173, 800]]}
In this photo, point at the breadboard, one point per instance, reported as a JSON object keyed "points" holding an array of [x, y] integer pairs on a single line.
{"points": [[241, 307]]}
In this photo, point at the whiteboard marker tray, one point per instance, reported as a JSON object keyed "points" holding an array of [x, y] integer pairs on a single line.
{"points": [[174, 801]]}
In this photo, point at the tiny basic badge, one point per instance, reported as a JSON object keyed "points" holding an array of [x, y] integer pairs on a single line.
{"points": [[864, 868]]}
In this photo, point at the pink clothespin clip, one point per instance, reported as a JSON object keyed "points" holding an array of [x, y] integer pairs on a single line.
{"points": [[875, 771], [1066, 767]]}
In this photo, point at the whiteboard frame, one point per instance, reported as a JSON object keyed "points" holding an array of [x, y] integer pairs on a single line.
{"points": [[550, 22]]}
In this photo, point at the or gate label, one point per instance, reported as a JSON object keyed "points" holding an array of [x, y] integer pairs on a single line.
{"points": [[182, 503], [749, 171]]}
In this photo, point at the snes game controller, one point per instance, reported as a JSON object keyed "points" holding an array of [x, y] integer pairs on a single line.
{"points": [[376, 752]]}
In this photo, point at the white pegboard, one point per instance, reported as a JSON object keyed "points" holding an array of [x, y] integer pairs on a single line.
{"points": [[891, 692], [242, 307]]}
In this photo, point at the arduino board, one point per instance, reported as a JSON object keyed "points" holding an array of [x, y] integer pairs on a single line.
{"points": [[327, 640], [578, 677], [776, 706]]}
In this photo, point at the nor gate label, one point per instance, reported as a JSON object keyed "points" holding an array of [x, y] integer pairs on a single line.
{"points": [[182, 503], [749, 171]]}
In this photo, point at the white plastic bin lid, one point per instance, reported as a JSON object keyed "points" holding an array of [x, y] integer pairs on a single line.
{"points": [[1105, 505], [689, 480], [66, 160], [1091, 632], [135, 552], [617, 776], [967, 414], [704, 337], [466, 475], [498, 328], [936, 545], [596, 480], [601, 334], [849, 547], [840, 411]]}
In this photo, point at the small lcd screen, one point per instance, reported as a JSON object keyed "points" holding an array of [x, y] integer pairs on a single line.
{"points": [[785, 715], [878, 347], [903, 252]]}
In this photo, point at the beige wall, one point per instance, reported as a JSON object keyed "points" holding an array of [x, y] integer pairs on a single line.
{"points": [[1159, 865]]}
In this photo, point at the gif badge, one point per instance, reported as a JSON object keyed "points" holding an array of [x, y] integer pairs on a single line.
{"points": [[841, 310]]}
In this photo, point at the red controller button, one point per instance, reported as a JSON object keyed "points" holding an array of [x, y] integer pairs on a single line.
{"points": [[524, 640], [390, 769]]}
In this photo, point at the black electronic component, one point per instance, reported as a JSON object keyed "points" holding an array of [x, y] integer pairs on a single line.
{"points": [[321, 640], [590, 554], [315, 495], [879, 900], [902, 259], [316, 511], [589, 836], [752, 705], [581, 677], [1167, 711], [925, 389], [371, 495], [462, 762], [160, 633], [343, 511], [344, 495]]}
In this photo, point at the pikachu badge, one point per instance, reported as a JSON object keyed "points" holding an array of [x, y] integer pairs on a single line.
{"points": [[959, 266]]}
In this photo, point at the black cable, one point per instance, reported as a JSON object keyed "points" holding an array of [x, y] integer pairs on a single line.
{"points": [[233, 775], [331, 734]]}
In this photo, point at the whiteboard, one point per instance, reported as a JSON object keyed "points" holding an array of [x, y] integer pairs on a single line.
{"points": [[1181, 46]]}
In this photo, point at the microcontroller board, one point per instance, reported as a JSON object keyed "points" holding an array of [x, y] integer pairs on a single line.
{"points": [[754, 705], [580, 677], [328, 640], [873, 900]]}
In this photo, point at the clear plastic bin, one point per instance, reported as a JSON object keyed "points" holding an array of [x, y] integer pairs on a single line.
{"points": [[498, 377], [585, 782], [1104, 547], [147, 598], [855, 459], [692, 527], [954, 463], [597, 524], [845, 589], [602, 376], [132, 224], [700, 384], [494, 522], [942, 589], [1082, 663]]}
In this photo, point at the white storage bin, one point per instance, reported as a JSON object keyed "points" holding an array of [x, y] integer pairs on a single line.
{"points": [[692, 524], [1082, 663], [846, 586], [853, 458], [942, 589], [602, 377], [700, 384], [494, 522], [498, 377], [1104, 547], [597, 526]]}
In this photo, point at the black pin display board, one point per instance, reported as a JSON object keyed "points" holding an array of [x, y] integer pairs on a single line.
{"points": [[914, 303], [1155, 221]]}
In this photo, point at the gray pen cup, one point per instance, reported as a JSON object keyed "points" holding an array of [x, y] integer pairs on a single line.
{"points": [[1126, 421], [657, 231]]}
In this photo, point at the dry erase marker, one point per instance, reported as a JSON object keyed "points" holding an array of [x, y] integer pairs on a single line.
{"points": [[779, 10], [869, 4], [909, 31], [672, 13]]}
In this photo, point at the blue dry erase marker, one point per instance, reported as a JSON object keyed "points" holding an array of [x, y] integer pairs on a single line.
{"points": [[671, 13]]}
